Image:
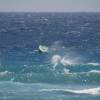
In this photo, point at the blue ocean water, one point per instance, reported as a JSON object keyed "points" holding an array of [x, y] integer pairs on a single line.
{"points": [[69, 71]]}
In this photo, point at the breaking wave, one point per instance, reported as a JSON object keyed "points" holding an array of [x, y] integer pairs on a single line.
{"points": [[91, 91]]}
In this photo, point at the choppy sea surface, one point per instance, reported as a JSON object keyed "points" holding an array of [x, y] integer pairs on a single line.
{"points": [[69, 71]]}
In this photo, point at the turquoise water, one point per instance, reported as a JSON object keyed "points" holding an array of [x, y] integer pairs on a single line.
{"points": [[70, 70]]}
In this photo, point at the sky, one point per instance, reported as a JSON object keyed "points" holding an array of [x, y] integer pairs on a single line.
{"points": [[50, 5]]}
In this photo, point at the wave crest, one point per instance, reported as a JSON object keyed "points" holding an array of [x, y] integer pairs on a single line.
{"points": [[91, 91]]}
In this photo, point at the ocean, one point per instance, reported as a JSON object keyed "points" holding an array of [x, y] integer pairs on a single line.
{"points": [[70, 70]]}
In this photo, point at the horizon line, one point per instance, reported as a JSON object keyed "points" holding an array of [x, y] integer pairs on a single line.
{"points": [[49, 11]]}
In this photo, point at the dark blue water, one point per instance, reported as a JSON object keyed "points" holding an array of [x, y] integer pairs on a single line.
{"points": [[71, 68]]}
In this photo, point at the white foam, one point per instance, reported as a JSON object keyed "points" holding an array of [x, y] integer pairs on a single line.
{"points": [[5, 73], [91, 91], [66, 71], [66, 61], [94, 64], [94, 71], [57, 59], [54, 66]]}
